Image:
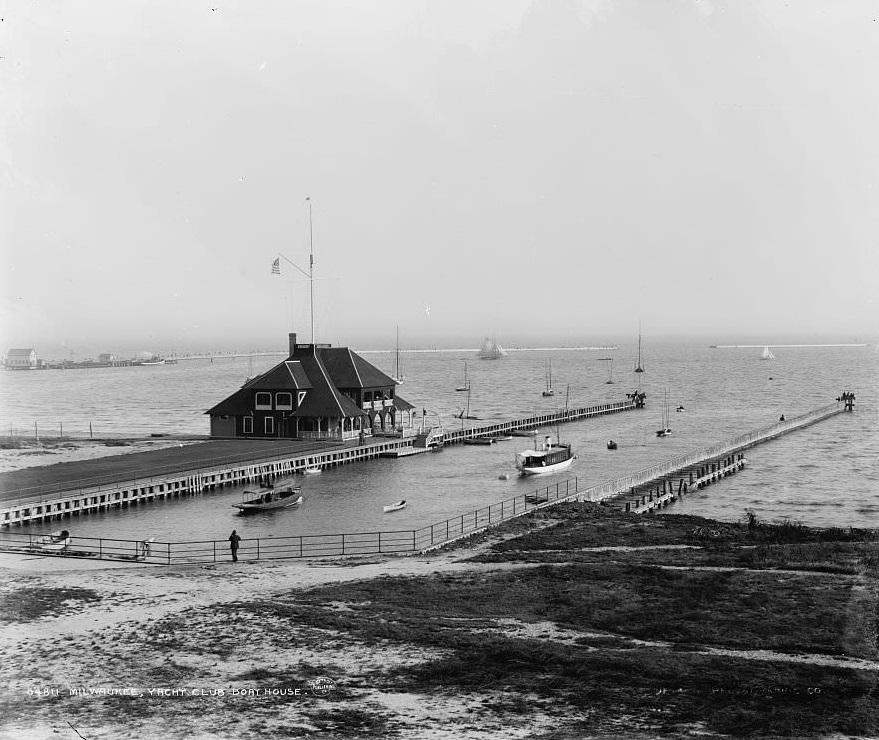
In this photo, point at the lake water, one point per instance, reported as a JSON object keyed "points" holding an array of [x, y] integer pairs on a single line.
{"points": [[824, 475]]}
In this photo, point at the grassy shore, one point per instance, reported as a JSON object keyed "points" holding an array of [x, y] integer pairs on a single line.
{"points": [[574, 622]]}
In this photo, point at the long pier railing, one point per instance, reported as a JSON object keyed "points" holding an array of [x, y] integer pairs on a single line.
{"points": [[402, 541]]}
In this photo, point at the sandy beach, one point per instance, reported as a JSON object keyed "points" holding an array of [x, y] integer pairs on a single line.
{"points": [[17, 453]]}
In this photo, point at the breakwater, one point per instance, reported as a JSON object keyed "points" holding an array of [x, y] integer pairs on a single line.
{"points": [[701, 467]]}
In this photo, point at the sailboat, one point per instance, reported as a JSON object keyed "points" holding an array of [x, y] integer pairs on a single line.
{"points": [[609, 361], [639, 368], [549, 391], [465, 412], [491, 350], [767, 354], [665, 430], [466, 386], [398, 376]]}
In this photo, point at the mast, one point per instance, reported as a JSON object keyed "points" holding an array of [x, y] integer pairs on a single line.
{"points": [[638, 368], [311, 264]]}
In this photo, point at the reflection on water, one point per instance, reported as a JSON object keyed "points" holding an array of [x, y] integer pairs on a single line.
{"points": [[820, 475]]}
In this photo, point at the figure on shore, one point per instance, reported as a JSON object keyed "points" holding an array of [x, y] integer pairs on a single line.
{"points": [[234, 539]]}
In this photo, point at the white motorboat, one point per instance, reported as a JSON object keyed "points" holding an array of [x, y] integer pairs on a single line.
{"points": [[551, 458], [395, 506]]}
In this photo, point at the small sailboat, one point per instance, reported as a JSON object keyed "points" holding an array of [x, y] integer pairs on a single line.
{"points": [[466, 386], [465, 412], [548, 373], [639, 368], [665, 429], [395, 506], [398, 371], [767, 354], [609, 361]]}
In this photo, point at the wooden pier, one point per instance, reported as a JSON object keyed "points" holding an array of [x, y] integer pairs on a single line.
{"points": [[640, 492], [75, 497]]}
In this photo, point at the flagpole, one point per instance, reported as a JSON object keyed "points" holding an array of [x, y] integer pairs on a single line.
{"points": [[311, 264]]}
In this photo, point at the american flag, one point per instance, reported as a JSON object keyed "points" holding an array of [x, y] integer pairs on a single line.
{"points": [[276, 266]]}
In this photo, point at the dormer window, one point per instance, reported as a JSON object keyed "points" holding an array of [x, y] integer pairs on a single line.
{"points": [[301, 397], [264, 401], [284, 401]]}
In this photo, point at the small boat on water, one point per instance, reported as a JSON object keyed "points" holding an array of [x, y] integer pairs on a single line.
{"points": [[270, 497], [611, 445], [665, 429], [551, 458], [313, 470], [395, 506], [639, 368], [466, 386], [548, 372], [54, 541], [767, 354], [398, 376]]}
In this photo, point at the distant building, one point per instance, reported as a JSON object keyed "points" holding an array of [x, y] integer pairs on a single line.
{"points": [[318, 392], [105, 358], [21, 359]]}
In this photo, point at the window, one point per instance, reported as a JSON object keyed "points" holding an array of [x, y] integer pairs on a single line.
{"points": [[270, 425], [264, 401], [284, 401], [301, 397], [248, 425]]}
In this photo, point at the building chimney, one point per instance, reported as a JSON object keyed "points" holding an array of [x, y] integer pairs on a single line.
{"points": [[292, 343]]}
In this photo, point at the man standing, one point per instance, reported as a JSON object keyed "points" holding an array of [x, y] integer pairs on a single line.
{"points": [[234, 539]]}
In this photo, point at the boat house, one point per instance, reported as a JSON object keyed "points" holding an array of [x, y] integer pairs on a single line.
{"points": [[318, 392]]}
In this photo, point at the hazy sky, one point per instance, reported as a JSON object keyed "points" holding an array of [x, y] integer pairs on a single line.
{"points": [[543, 170]]}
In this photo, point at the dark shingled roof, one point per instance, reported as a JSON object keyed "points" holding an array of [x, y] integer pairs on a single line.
{"points": [[286, 375], [321, 371], [350, 370]]}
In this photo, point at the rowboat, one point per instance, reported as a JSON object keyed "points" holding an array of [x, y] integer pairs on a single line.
{"points": [[395, 507]]}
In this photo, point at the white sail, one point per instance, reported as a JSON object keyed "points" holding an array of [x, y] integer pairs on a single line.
{"points": [[767, 354], [491, 350]]}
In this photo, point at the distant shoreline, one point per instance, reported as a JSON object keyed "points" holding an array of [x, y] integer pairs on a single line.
{"points": [[758, 346]]}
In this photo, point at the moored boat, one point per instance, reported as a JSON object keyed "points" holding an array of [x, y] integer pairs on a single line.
{"points": [[551, 458], [55, 541], [268, 498]]}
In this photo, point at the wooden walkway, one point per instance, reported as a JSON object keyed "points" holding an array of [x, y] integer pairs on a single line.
{"points": [[66, 489]]}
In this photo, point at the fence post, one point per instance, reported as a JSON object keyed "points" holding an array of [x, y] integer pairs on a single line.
{"points": [[379, 541], [413, 539], [343, 544], [257, 549], [169, 553], [215, 550], [100, 548]]}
